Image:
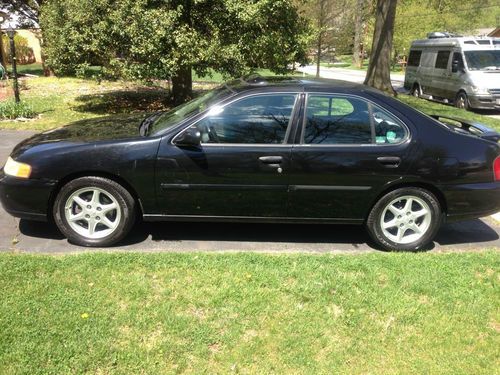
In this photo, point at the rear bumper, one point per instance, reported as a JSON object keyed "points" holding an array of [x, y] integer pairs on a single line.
{"points": [[471, 201], [484, 102], [25, 198]]}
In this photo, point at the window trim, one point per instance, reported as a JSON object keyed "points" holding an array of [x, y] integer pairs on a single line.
{"points": [[447, 61], [419, 58], [371, 104], [288, 130]]}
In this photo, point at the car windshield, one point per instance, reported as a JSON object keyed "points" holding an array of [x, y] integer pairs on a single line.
{"points": [[483, 60], [189, 109]]}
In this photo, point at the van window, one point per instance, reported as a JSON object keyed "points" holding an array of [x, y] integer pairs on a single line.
{"points": [[414, 58], [483, 60], [457, 56], [442, 59]]}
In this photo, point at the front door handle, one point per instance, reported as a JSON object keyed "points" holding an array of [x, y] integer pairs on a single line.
{"points": [[389, 161], [271, 159]]}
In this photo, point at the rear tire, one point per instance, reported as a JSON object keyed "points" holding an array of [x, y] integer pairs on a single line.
{"points": [[94, 211], [462, 101], [405, 219]]}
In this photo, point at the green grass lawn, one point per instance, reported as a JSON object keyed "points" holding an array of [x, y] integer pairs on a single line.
{"points": [[250, 314], [58, 101], [34, 69], [433, 108]]}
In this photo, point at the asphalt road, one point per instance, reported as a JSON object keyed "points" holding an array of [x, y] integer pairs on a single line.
{"points": [[38, 237]]}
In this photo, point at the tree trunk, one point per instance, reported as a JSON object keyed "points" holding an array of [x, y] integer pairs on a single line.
{"points": [[318, 54], [379, 70], [47, 71], [182, 84], [3, 59], [357, 53], [321, 25]]}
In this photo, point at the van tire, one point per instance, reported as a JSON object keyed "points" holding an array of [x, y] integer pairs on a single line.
{"points": [[415, 91], [462, 101]]}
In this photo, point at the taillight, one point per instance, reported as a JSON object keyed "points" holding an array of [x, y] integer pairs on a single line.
{"points": [[496, 168]]}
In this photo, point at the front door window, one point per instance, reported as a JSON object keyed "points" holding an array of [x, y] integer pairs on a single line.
{"points": [[258, 119]]}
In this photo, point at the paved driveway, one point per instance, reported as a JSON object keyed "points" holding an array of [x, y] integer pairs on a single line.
{"points": [[44, 238]]}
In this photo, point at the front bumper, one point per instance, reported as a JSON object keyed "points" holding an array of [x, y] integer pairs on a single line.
{"points": [[26, 198], [484, 101], [471, 201]]}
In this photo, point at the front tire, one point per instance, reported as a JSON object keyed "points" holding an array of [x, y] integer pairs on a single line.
{"points": [[415, 91], [94, 211], [405, 219], [462, 101]]}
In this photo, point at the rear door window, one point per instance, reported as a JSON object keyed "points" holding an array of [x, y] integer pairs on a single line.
{"points": [[334, 119], [343, 120]]}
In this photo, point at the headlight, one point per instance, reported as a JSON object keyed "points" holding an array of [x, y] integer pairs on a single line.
{"points": [[16, 169], [480, 90]]}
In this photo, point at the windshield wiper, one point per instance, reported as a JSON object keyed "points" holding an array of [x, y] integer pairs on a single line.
{"points": [[146, 123]]}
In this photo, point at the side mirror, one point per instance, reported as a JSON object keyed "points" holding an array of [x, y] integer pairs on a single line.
{"points": [[191, 137]]}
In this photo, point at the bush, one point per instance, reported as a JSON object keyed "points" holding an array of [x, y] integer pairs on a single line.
{"points": [[10, 110]]}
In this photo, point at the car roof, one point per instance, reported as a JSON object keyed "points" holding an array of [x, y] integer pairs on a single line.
{"points": [[259, 83]]}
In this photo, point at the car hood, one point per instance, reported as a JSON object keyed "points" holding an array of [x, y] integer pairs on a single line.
{"points": [[109, 128], [489, 79]]}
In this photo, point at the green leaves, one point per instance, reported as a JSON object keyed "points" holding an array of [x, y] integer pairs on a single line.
{"points": [[148, 39]]}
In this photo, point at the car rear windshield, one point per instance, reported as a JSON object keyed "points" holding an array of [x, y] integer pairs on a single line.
{"points": [[189, 109], [483, 60]]}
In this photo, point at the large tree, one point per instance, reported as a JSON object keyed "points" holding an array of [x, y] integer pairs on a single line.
{"points": [[28, 11], [160, 39], [361, 15], [327, 18], [379, 69], [416, 18]]}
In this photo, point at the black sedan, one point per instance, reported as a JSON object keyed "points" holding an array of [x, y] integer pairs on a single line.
{"points": [[260, 150]]}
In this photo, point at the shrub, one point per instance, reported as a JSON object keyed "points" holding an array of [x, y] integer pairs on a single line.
{"points": [[10, 110]]}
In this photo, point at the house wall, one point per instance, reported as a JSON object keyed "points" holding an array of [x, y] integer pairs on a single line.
{"points": [[33, 37]]}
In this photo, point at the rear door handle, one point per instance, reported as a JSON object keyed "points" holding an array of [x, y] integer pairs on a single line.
{"points": [[271, 159], [389, 161]]}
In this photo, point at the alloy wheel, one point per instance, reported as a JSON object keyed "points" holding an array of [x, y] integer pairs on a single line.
{"points": [[406, 219], [92, 212]]}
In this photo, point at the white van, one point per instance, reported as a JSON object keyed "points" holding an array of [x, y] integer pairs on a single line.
{"points": [[460, 70]]}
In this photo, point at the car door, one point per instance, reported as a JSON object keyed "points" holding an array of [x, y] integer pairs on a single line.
{"points": [[241, 167], [441, 74], [456, 79], [349, 149]]}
